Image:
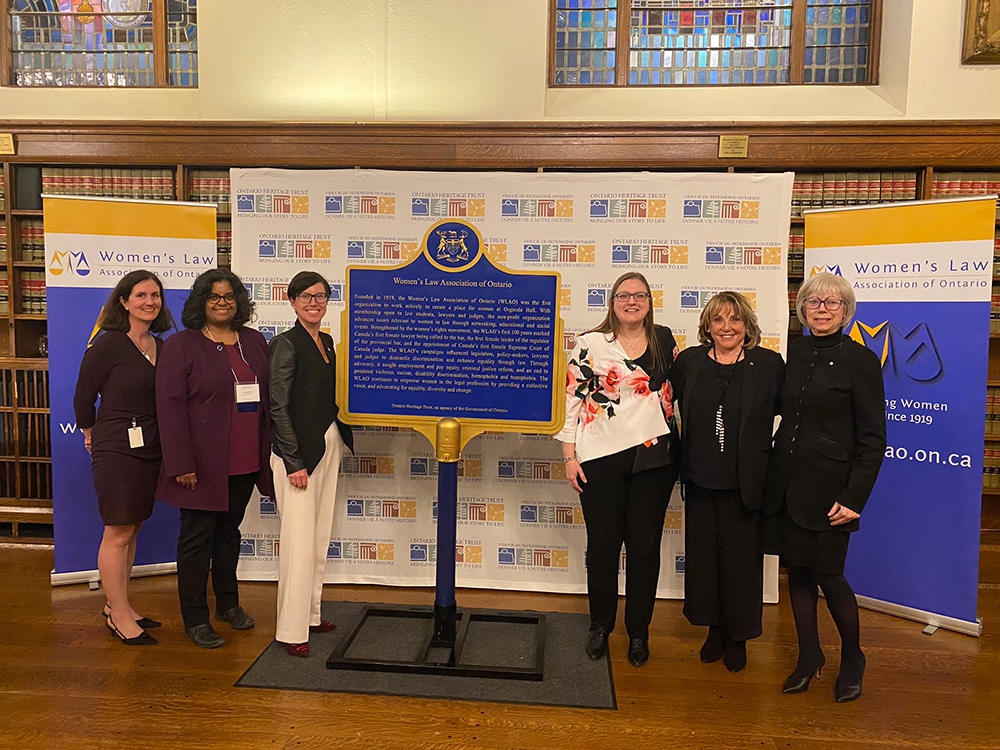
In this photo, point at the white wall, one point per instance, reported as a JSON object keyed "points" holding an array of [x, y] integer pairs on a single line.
{"points": [[484, 60]]}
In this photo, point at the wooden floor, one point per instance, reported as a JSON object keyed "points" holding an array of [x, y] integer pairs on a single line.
{"points": [[64, 683]]}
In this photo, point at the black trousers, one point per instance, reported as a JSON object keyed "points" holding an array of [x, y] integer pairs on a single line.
{"points": [[724, 564], [619, 506], [210, 540]]}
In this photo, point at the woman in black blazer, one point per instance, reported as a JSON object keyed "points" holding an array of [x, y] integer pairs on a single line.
{"points": [[728, 391], [825, 461], [307, 445]]}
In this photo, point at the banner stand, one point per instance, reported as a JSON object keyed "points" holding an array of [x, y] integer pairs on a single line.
{"points": [[974, 629], [92, 576]]}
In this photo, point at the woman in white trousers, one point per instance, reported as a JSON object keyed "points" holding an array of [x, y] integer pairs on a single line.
{"points": [[307, 444]]}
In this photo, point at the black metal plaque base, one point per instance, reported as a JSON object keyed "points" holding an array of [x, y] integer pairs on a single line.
{"points": [[440, 656]]}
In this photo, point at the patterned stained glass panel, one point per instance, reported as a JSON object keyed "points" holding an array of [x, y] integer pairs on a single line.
{"points": [[98, 43], [710, 42], [182, 43], [585, 42], [838, 34]]}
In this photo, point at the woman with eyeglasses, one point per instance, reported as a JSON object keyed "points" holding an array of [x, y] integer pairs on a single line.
{"points": [[727, 390], [618, 454], [214, 414], [307, 445], [826, 458]]}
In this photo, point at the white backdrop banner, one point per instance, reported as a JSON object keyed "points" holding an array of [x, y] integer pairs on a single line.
{"points": [[519, 523]]}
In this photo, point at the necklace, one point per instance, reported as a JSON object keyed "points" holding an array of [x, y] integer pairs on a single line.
{"points": [[208, 332], [634, 347], [144, 352], [720, 412]]}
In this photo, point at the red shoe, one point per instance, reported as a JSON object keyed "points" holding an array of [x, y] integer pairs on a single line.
{"points": [[297, 649], [325, 626]]}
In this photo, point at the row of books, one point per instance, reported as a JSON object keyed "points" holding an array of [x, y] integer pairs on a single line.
{"points": [[3, 241], [993, 411], [224, 244], [796, 254], [32, 241], [109, 182], [210, 186], [31, 285], [4, 292], [965, 183], [991, 467], [830, 189], [3, 194]]}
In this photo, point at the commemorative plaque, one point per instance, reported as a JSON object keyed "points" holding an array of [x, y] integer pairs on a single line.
{"points": [[452, 334], [450, 344]]}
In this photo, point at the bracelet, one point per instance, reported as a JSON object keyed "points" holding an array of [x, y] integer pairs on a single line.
{"points": [[567, 459]]}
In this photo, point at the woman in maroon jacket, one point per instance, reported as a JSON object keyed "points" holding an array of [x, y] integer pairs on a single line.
{"points": [[214, 416]]}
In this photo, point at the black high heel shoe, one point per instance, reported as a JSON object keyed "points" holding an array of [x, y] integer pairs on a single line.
{"points": [[146, 623], [798, 681], [143, 639], [847, 688]]}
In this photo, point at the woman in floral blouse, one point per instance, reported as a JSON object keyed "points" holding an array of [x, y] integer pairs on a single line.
{"points": [[618, 454]]}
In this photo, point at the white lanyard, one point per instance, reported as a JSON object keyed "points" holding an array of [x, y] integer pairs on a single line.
{"points": [[247, 394]]}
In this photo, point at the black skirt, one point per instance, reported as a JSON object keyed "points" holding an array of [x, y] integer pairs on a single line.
{"points": [[823, 551], [125, 487]]}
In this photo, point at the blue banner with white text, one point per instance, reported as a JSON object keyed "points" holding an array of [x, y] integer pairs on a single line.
{"points": [[922, 273]]}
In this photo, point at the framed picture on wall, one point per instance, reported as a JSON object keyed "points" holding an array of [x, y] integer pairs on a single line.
{"points": [[982, 33]]}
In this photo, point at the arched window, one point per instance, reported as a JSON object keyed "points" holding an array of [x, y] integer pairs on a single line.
{"points": [[713, 42], [131, 43]]}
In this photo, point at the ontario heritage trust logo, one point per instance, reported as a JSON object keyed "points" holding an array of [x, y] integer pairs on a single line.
{"points": [[663, 253], [562, 253], [632, 208], [546, 208], [270, 202], [720, 209], [352, 205], [470, 206]]}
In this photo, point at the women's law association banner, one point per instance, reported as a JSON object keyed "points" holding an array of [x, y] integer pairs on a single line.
{"points": [[922, 273], [519, 523], [90, 243]]}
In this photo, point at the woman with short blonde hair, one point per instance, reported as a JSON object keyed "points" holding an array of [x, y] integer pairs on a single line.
{"points": [[826, 457], [826, 285]]}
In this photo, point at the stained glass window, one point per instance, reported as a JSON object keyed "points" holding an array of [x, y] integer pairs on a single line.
{"points": [[585, 42], [103, 42], [714, 42], [837, 37]]}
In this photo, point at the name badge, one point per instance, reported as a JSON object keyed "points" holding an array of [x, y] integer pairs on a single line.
{"points": [[135, 437], [247, 396]]}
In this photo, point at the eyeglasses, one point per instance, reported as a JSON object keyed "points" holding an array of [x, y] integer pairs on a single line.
{"points": [[306, 298], [214, 299], [832, 304], [637, 296]]}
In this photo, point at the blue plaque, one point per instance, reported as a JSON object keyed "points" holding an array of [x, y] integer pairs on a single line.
{"points": [[451, 334]]}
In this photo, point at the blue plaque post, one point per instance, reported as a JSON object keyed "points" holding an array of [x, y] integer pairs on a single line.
{"points": [[448, 436], [450, 344]]}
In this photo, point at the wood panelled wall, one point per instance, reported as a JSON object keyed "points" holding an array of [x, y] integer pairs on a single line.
{"points": [[772, 146]]}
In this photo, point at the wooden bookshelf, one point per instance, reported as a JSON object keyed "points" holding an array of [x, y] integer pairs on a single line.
{"points": [[911, 159]]}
